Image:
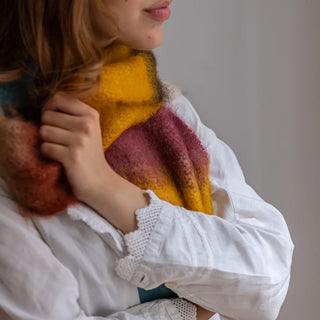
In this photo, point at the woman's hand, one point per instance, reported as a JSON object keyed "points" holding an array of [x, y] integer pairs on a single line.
{"points": [[71, 135]]}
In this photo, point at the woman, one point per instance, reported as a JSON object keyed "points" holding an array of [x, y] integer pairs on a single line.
{"points": [[116, 201]]}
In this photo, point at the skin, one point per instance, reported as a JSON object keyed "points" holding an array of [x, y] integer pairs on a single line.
{"points": [[71, 131], [130, 24]]}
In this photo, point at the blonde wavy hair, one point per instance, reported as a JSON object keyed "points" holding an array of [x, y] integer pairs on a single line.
{"points": [[62, 40]]}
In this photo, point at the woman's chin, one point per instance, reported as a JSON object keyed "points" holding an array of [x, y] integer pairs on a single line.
{"points": [[148, 42]]}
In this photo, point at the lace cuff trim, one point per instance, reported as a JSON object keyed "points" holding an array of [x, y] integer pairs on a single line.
{"points": [[137, 240], [187, 310]]}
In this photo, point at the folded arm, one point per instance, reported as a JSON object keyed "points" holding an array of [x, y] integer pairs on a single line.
{"points": [[236, 262]]}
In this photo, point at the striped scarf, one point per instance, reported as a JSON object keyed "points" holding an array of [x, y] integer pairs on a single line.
{"points": [[144, 141]]}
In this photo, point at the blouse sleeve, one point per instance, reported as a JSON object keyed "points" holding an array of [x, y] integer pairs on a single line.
{"points": [[35, 285], [236, 262]]}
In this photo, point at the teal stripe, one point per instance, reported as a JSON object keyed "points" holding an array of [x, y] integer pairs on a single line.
{"points": [[161, 292], [16, 92]]}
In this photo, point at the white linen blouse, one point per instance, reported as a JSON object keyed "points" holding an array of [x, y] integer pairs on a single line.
{"points": [[77, 266]]}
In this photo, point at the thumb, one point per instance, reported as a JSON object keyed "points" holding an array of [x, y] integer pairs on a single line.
{"points": [[54, 102]]}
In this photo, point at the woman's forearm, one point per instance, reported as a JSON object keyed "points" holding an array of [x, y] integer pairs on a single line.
{"points": [[117, 200], [203, 314]]}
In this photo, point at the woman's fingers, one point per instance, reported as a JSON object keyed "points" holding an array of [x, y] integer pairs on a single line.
{"points": [[71, 135], [68, 113], [63, 146], [54, 151], [58, 119], [67, 104], [56, 135], [64, 120]]}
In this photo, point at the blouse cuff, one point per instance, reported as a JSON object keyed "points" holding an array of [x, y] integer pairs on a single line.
{"points": [[186, 309], [137, 240]]}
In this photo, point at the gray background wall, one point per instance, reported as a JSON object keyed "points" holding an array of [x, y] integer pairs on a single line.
{"points": [[251, 68]]}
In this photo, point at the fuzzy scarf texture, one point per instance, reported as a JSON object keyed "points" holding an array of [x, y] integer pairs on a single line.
{"points": [[143, 139]]}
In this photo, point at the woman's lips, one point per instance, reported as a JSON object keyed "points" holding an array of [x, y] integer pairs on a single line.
{"points": [[160, 14]]}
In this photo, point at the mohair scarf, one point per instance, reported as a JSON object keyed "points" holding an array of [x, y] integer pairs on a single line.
{"points": [[144, 141]]}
